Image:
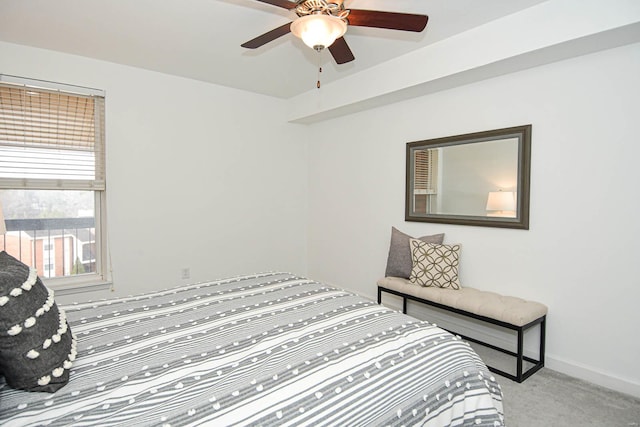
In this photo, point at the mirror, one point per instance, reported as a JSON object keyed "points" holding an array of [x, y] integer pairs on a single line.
{"points": [[479, 179]]}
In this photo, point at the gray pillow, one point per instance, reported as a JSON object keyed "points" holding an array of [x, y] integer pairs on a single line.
{"points": [[36, 344], [399, 260]]}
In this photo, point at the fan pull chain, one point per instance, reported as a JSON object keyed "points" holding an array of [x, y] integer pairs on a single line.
{"points": [[319, 68]]}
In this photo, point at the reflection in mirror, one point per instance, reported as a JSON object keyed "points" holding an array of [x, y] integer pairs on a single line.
{"points": [[474, 179]]}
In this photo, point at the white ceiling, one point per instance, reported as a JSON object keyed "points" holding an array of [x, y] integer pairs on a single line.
{"points": [[200, 39]]}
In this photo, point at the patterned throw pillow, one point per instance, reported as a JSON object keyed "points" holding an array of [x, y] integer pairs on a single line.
{"points": [[435, 265], [399, 259], [37, 347]]}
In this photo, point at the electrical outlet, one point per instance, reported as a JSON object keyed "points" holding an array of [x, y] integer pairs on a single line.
{"points": [[185, 273]]}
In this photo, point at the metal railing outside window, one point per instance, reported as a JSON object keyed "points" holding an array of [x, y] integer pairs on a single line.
{"points": [[56, 247]]}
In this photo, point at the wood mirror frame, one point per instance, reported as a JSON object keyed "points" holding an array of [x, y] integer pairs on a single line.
{"points": [[486, 162]]}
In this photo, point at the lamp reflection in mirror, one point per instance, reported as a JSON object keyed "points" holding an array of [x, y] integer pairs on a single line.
{"points": [[501, 204], [318, 31]]}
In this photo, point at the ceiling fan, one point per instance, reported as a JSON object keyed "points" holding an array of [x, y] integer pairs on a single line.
{"points": [[322, 24]]}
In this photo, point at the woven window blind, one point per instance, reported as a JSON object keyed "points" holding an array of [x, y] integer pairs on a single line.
{"points": [[51, 139]]}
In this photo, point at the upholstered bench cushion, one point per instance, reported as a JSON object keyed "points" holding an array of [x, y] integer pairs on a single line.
{"points": [[512, 310]]}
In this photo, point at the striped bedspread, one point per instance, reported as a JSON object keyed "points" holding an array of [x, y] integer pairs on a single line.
{"points": [[268, 349]]}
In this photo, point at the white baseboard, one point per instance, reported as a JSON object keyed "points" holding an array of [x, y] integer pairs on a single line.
{"points": [[591, 375]]}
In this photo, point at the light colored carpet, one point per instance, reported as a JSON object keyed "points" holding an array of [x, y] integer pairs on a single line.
{"points": [[551, 399]]}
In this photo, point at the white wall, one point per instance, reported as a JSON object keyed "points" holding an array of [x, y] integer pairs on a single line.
{"points": [[579, 256], [220, 188], [198, 175]]}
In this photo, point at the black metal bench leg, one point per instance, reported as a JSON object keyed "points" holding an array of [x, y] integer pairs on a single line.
{"points": [[543, 325], [520, 354], [404, 300]]}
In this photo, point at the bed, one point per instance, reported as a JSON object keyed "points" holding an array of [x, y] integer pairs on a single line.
{"points": [[263, 349]]}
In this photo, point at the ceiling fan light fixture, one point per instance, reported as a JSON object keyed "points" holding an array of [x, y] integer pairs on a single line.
{"points": [[318, 31]]}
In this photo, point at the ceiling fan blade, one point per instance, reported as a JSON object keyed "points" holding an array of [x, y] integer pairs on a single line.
{"points": [[281, 3], [389, 20], [267, 37], [341, 52]]}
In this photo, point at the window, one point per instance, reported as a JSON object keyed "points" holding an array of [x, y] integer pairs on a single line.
{"points": [[52, 178], [425, 179]]}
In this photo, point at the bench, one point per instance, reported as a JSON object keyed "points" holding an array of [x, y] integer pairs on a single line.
{"points": [[508, 312]]}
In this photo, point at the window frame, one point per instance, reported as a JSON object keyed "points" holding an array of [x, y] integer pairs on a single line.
{"points": [[100, 279]]}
